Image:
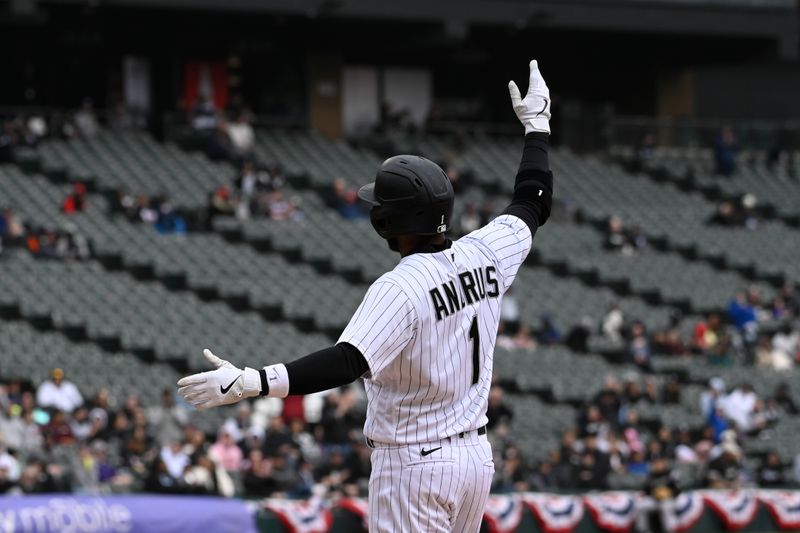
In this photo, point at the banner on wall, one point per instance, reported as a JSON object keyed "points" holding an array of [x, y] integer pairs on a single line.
{"points": [[736, 509], [555, 513], [357, 506], [687, 511], [784, 506], [302, 516], [67, 513], [503, 513], [613, 511]]}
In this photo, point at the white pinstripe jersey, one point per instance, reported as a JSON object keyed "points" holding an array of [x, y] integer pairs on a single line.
{"points": [[428, 329]]}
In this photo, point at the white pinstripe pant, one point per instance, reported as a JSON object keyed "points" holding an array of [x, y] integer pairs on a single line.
{"points": [[442, 492]]}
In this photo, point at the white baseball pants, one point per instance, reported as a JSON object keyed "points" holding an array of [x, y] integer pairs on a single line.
{"points": [[432, 487]]}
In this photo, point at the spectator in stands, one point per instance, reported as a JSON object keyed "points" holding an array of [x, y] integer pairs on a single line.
{"points": [[12, 231], [612, 323], [220, 203], [609, 400], [787, 342], [669, 341], [204, 114], [226, 453], [725, 471], [169, 221], [85, 119], [544, 477], [743, 314], [736, 214], [75, 202], [258, 480], [512, 474], [725, 149], [167, 420], [784, 400], [280, 208], [175, 459], [725, 215], [548, 333], [592, 466], [638, 346], [10, 468], [577, 338], [739, 406], [791, 298], [470, 220], [498, 412], [771, 473], [218, 144], [345, 201], [242, 136], [58, 393], [615, 235], [709, 336]]}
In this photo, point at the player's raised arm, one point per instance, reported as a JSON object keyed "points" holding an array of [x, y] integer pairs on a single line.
{"points": [[508, 238], [533, 189]]}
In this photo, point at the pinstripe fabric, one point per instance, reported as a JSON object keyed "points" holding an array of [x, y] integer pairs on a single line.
{"points": [[427, 329], [444, 492]]}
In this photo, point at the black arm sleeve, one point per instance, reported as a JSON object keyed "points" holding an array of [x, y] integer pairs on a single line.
{"points": [[533, 188], [326, 369]]}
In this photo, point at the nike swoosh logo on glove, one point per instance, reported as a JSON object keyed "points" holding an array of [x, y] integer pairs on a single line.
{"points": [[546, 101], [224, 390]]}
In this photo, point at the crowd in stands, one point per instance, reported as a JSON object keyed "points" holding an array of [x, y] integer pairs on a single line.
{"points": [[54, 439], [225, 136], [733, 335], [627, 241], [608, 439], [156, 211], [27, 130], [739, 214], [254, 193], [43, 242]]}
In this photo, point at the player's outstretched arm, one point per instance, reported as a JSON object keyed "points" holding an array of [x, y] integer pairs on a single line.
{"points": [[227, 384], [533, 189]]}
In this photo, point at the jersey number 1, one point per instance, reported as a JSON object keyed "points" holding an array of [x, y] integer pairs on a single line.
{"points": [[475, 336]]}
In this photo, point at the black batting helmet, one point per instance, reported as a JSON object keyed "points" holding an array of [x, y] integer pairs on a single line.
{"points": [[411, 195]]}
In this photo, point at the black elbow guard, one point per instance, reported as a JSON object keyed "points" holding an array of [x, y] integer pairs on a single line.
{"points": [[534, 188]]}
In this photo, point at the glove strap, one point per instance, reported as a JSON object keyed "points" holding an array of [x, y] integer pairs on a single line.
{"points": [[264, 385]]}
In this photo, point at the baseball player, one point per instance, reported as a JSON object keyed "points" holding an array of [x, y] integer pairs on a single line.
{"points": [[423, 337]]}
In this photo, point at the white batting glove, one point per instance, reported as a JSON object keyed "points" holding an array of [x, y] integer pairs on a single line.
{"points": [[225, 385], [533, 110]]}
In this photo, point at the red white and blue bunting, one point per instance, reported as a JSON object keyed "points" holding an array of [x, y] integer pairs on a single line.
{"points": [[503, 513], [735, 508], [302, 516], [555, 513], [784, 507], [687, 511], [613, 511], [357, 506]]}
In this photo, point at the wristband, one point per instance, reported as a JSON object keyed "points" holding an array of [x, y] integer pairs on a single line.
{"points": [[277, 381]]}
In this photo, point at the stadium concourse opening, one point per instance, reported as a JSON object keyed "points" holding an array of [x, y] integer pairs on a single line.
{"points": [[183, 175]]}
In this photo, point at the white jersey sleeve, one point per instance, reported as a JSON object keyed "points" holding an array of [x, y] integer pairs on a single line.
{"points": [[507, 239], [382, 326]]}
